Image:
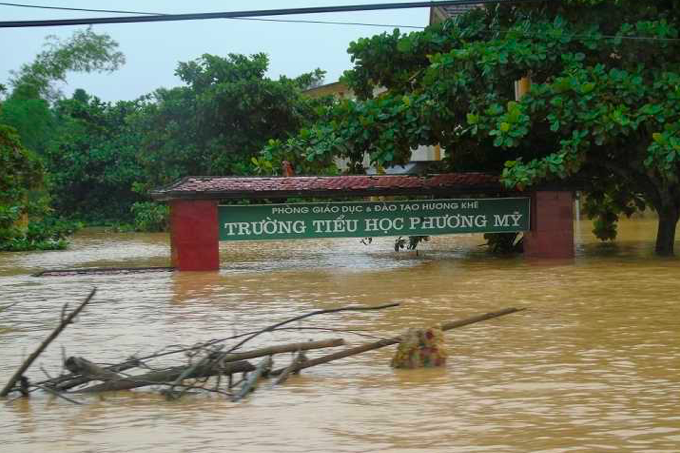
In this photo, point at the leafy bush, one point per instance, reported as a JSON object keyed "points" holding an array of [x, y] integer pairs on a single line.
{"points": [[150, 216], [21, 195], [44, 234]]}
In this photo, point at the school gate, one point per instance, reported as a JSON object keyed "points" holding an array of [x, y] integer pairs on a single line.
{"points": [[456, 203]]}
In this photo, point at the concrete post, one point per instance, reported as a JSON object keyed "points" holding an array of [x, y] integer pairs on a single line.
{"points": [[194, 235], [552, 226]]}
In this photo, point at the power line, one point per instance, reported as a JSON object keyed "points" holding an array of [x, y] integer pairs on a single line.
{"points": [[329, 22], [293, 21], [249, 14], [65, 8]]}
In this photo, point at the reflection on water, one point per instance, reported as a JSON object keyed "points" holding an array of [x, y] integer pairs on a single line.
{"points": [[591, 366]]}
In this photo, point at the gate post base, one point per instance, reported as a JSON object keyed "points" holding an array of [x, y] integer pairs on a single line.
{"points": [[552, 226], [194, 235]]}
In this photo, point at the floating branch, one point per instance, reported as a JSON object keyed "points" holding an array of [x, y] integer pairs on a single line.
{"points": [[169, 376], [65, 321], [249, 384], [389, 341], [219, 357]]}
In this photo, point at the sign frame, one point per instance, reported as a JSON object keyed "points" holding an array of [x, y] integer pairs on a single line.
{"points": [[318, 220]]}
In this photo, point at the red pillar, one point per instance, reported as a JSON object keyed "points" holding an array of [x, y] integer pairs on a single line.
{"points": [[194, 235], [552, 226]]}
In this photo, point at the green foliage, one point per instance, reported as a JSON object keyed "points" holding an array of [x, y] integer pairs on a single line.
{"points": [[32, 119], [86, 145], [21, 170], [604, 103], [42, 234], [221, 118], [151, 217], [84, 51], [22, 176], [93, 158]]}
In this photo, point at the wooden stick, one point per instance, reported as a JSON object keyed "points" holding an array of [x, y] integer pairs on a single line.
{"points": [[57, 394], [249, 384], [90, 370], [290, 347], [389, 341], [28, 362], [301, 317], [283, 377], [167, 376], [70, 381]]}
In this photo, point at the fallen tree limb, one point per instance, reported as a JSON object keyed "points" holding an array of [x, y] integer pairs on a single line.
{"points": [[249, 384], [90, 370], [69, 381], [65, 321], [218, 357], [389, 341], [169, 375], [57, 394], [301, 317], [283, 377], [77, 378], [279, 349]]}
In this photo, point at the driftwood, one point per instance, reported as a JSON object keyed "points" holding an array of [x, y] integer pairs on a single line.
{"points": [[86, 371], [208, 361], [74, 380], [169, 375], [390, 341], [279, 349], [65, 321], [249, 384], [90, 370], [283, 377]]}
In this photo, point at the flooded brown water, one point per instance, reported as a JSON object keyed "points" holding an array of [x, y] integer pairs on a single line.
{"points": [[592, 366]]}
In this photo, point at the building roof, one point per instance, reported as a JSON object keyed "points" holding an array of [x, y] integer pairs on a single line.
{"points": [[441, 13], [222, 187]]}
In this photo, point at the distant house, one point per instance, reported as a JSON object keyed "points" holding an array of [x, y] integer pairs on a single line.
{"points": [[441, 13]]}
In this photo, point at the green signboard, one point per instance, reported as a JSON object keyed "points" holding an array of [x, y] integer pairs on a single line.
{"points": [[372, 219]]}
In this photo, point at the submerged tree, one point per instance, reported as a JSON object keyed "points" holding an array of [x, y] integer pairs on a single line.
{"points": [[604, 103]]}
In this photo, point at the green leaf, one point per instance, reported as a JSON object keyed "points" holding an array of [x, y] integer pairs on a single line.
{"points": [[404, 45]]}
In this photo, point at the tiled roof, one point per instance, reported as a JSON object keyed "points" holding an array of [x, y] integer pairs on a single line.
{"points": [[222, 187]]}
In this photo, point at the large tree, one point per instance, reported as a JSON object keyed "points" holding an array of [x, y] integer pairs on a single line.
{"points": [[604, 103], [223, 115], [34, 87], [93, 157]]}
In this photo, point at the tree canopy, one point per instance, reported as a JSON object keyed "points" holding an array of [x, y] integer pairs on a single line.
{"points": [[221, 118], [84, 51], [604, 103]]}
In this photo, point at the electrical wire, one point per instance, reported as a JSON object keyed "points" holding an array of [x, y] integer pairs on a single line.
{"points": [[293, 21], [250, 14], [66, 8]]}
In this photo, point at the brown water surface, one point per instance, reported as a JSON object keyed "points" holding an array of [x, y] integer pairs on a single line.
{"points": [[592, 366]]}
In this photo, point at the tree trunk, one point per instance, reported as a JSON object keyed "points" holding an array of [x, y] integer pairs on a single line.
{"points": [[665, 236]]}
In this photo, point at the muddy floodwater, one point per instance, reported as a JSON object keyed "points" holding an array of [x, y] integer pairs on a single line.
{"points": [[593, 365]]}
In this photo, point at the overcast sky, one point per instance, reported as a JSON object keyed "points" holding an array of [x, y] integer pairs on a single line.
{"points": [[152, 50]]}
